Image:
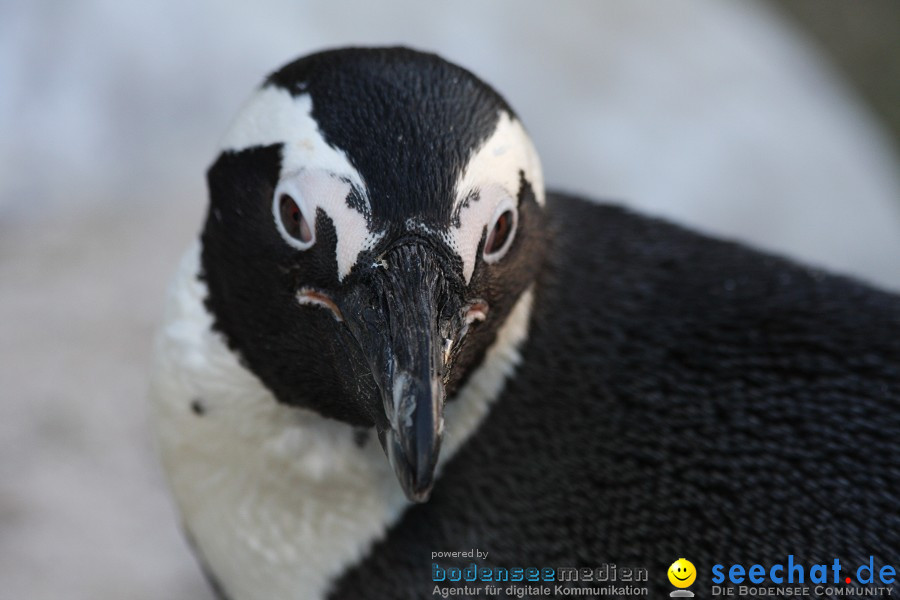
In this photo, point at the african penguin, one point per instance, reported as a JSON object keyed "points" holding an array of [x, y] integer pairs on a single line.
{"points": [[389, 341]]}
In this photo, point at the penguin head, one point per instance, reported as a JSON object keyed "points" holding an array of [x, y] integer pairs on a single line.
{"points": [[374, 216]]}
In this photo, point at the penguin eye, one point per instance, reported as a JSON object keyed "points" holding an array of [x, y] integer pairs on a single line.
{"points": [[295, 227], [500, 236]]}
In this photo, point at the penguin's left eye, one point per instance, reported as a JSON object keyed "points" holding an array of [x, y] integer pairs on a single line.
{"points": [[501, 234], [293, 222]]}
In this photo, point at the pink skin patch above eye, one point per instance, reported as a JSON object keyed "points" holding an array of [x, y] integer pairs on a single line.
{"points": [[317, 298], [477, 311]]}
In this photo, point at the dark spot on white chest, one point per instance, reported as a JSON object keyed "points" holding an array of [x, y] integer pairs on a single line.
{"points": [[361, 436], [198, 407]]}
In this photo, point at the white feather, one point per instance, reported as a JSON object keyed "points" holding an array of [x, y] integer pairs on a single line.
{"points": [[493, 173], [279, 500], [309, 162]]}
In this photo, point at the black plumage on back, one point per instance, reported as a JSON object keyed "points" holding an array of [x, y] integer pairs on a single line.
{"points": [[678, 396]]}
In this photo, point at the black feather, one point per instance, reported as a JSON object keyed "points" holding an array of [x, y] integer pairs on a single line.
{"points": [[679, 396]]}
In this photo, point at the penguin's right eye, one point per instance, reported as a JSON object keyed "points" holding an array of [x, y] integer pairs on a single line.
{"points": [[295, 226], [503, 229]]}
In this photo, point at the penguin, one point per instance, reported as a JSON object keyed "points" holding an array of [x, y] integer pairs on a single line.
{"points": [[389, 341]]}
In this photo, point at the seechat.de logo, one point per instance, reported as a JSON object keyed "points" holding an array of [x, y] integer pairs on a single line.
{"points": [[682, 574]]}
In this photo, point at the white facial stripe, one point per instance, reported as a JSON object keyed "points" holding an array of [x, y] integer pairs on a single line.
{"points": [[302, 500], [473, 220], [493, 175], [321, 189], [274, 116], [500, 159]]}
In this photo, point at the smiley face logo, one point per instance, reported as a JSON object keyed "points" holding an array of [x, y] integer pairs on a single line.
{"points": [[682, 573]]}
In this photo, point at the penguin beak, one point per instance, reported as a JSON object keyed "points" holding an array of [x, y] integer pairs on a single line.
{"points": [[395, 317]]}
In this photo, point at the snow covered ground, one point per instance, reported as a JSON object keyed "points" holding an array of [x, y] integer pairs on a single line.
{"points": [[713, 113]]}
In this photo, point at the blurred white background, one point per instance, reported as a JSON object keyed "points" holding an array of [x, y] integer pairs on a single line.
{"points": [[717, 114]]}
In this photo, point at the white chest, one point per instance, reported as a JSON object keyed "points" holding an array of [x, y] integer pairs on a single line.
{"points": [[280, 501]]}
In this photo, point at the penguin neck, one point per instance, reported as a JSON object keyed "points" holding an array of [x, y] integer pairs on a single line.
{"points": [[276, 498]]}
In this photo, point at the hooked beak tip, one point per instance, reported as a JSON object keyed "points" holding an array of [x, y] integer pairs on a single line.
{"points": [[412, 437], [400, 317], [415, 472]]}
